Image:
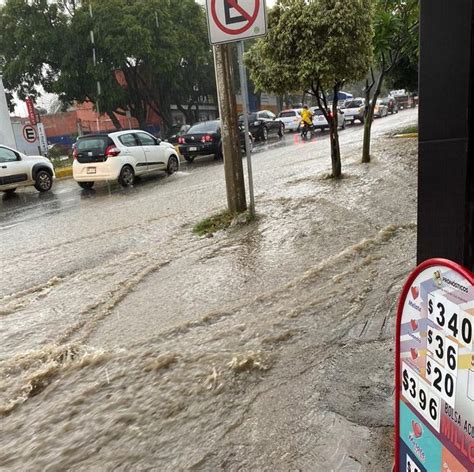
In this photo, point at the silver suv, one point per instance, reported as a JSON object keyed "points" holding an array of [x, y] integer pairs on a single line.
{"points": [[20, 170]]}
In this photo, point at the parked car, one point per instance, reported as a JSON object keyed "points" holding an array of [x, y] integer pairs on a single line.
{"points": [[121, 156], [264, 123], [380, 109], [19, 170], [204, 139], [291, 119], [175, 132], [391, 104], [320, 122], [403, 98], [354, 110]]}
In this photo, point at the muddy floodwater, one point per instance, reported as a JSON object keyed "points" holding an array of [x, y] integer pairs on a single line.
{"points": [[129, 343]]}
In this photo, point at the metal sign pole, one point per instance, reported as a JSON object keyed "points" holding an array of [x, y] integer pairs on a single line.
{"points": [[245, 110]]}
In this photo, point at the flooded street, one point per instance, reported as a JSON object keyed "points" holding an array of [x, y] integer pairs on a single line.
{"points": [[129, 343]]}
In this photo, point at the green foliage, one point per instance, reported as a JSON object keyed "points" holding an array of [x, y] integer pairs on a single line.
{"points": [[214, 223], [395, 31], [142, 46], [322, 41]]}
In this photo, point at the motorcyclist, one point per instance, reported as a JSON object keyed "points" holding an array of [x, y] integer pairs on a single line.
{"points": [[306, 120]]}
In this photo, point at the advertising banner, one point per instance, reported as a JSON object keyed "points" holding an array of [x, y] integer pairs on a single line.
{"points": [[435, 370]]}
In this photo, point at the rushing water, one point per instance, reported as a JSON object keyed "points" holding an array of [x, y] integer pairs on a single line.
{"points": [[128, 343]]}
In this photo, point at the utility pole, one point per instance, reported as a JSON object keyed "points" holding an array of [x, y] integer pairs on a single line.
{"points": [[94, 58], [234, 173], [245, 112]]}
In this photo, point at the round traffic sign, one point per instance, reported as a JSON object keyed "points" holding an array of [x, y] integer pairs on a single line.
{"points": [[30, 134], [247, 17]]}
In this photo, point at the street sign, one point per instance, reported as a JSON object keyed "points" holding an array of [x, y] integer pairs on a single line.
{"points": [[29, 134], [43, 140], [235, 20], [31, 111], [434, 370]]}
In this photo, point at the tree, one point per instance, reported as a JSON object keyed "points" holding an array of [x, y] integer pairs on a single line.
{"points": [[315, 46], [395, 40], [141, 46]]}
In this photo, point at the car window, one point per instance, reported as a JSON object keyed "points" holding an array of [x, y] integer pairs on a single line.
{"points": [[263, 115], [7, 155], [287, 114], [354, 104], [204, 127], [316, 111], [96, 144], [271, 115], [146, 139], [128, 140]]}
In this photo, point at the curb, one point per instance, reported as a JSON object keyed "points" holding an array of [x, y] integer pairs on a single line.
{"points": [[63, 172], [407, 135]]}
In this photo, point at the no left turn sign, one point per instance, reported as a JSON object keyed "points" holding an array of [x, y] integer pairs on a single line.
{"points": [[235, 20], [30, 134]]}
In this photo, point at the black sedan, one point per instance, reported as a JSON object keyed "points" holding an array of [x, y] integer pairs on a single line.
{"points": [[204, 139], [263, 123], [175, 132]]}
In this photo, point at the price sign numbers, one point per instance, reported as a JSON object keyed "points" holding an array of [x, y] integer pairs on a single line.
{"points": [[419, 395], [451, 319], [411, 466], [441, 380], [443, 349]]}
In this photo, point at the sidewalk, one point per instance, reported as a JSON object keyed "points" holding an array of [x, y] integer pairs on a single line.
{"points": [[268, 347]]}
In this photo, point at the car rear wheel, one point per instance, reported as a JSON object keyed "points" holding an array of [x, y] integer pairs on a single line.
{"points": [[126, 177], [220, 153], [281, 130], [343, 126], [43, 181], [86, 185], [173, 165], [264, 134]]}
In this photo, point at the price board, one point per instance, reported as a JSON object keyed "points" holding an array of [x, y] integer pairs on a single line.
{"points": [[434, 371]]}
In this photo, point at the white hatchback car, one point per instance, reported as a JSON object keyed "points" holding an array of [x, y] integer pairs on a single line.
{"points": [[19, 170], [121, 156], [320, 122], [291, 119]]}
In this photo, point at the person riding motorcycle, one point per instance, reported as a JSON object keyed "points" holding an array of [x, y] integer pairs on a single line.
{"points": [[306, 120]]}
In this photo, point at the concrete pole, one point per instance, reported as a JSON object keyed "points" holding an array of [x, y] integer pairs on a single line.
{"points": [[233, 169], [6, 130]]}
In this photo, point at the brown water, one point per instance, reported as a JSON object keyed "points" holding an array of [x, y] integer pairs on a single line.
{"points": [[130, 344]]}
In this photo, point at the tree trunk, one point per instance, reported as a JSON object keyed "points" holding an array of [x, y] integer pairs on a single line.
{"points": [[369, 118], [233, 169], [334, 138], [115, 120], [332, 119]]}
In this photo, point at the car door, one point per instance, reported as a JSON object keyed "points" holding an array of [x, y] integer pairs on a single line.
{"points": [[134, 149], [263, 116], [154, 151], [13, 169], [273, 122]]}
